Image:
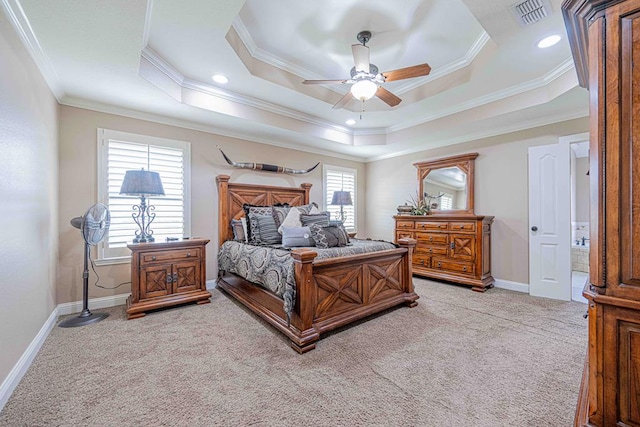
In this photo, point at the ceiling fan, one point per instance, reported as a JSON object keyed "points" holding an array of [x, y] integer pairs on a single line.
{"points": [[366, 79]]}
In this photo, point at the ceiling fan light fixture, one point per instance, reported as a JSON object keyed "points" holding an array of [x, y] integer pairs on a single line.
{"points": [[549, 41], [350, 122], [364, 90]]}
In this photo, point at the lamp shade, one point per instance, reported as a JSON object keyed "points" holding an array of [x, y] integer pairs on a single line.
{"points": [[142, 183], [364, 89], [342, 198]]}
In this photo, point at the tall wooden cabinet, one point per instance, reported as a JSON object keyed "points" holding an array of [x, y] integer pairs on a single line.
{"points": [[605, 40]]}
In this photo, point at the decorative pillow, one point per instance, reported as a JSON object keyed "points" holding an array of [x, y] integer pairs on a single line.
{"points": [[328, 237], [264, 231], [291, 220], [296, 237], [280, 213], [244, 228], [258, 210], [322, 219], [306, 209], [238, 230], [340, 224]]}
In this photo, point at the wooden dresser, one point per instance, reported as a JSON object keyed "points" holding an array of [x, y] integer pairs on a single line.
{"points": [[166, 274], [456, 248], [608, 67]]}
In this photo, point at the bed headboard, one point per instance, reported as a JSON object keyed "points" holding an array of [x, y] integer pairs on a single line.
{"points": [[232, 196]]}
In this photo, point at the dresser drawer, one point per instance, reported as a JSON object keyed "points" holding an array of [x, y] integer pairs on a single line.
{"points": [[421, 260], [431, 225], [163, 256], [431, 238], [453, 266], [431, 250], [404, 234], [404, 224], [462, 226]]}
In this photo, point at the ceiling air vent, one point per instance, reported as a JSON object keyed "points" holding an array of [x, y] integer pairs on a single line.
{"points": [[531, 11]]}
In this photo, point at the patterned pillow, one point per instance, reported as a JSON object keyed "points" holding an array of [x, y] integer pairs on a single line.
{"points": [[322, 219], [340, 224], [280, 213], [328, 237], [238, 230], [306, 209], [297, 237], [258, 210], [291, 220], [264, 229]]}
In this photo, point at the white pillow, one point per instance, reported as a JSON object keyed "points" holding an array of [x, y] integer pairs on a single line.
{"points": [[244, 227], [291, 220], [314, 210]]}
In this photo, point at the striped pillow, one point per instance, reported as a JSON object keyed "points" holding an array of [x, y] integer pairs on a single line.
{"points": [[264, 230], [321, 219]]}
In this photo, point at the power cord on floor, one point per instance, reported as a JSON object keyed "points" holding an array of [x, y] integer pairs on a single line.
{"points": [[93, 267]]}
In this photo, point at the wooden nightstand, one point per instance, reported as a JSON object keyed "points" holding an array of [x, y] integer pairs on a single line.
{"points": [[164, 274]]}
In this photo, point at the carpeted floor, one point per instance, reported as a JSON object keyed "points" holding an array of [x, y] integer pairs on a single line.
{"points": [[459, 358]]}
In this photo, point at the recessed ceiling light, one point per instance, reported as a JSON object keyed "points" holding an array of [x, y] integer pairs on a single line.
{"points": [[350, 122], [219, 78], [549, 41]]}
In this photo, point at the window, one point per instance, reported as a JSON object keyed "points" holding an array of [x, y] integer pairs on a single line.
{"points": [[446, 201], [121, 151], [340, 179]]}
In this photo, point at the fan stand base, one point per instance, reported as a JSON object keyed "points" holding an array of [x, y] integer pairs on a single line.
{"points": [[84, 318]]}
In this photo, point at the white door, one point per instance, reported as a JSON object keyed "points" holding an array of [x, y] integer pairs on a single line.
{"points": [[549, 222]]}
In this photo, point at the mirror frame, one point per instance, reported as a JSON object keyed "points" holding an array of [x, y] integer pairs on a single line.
{"points": [[466, 164]]}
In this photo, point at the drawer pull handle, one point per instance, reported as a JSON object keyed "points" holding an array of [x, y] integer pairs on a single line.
{"points": [[439, 264], [153, 258], [431, 239], [175, 277], [188, 254], [453, 245], [430, 250], [422, 261], [169, 278], [464, 268]]}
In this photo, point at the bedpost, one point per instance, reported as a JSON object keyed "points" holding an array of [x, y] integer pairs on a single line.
{"points": [[410, 244], [224, 223], [302, 318], [306, 187]]}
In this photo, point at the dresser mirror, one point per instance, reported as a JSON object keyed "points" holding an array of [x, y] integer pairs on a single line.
{"points": [[447, 184]]}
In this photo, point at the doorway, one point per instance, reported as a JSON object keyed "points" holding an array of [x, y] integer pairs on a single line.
{"points": [[559, 218]]}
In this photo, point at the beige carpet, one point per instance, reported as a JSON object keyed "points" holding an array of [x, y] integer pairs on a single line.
{"points": [[459, 358]]}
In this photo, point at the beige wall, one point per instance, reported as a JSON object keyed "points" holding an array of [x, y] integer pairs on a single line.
{"points": [[28, 190], [501, 189], [78, 187]]}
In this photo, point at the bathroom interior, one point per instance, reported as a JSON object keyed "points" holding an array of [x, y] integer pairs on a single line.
{"points": [[579, 219]]}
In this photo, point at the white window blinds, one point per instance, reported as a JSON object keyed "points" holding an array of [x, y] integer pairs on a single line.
{"points": [[122, 152], [341, 179], [446, 201]]}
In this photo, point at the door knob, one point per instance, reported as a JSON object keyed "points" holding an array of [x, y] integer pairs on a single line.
{"points": [[534, 228]]}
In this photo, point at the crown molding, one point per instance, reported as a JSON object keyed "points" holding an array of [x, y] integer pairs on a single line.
{"points": [[186, 124], [14, 11], [518, 89], [163, 66], [147, 23], [542, 121]]}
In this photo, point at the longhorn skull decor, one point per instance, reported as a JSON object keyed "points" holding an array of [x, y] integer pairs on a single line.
{"points": [[265, 167]]}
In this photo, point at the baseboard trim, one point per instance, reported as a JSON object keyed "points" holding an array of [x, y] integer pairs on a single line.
{"points": [[94, 303], [20, 368], [512, 286]]}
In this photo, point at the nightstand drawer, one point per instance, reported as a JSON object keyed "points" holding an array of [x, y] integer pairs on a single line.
{"points": [[163, 256], [432, 238]]}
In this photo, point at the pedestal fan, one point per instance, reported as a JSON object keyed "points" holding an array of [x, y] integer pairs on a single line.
{"points": [[93, 225]]}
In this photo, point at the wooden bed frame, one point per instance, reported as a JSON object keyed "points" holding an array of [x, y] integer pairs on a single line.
{"points": [[330, 293]]}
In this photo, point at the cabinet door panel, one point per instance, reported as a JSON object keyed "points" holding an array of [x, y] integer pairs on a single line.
{"points": [[463, 246], [155, 281], [186, 276]]}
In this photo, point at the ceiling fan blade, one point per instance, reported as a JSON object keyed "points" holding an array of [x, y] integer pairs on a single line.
{"points": [[407, 73], [360, 57], [389, 98], [343, 101], [322, 82]]}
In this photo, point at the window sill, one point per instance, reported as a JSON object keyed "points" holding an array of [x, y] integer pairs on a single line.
{"points": [[112, 261]]}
